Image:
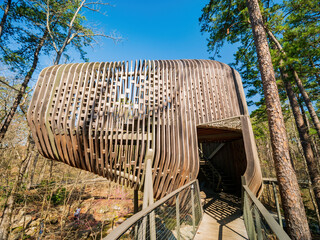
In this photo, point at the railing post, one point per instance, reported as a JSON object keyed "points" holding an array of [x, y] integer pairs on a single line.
{"points": [[178, 215], [248, 219], [147, 201], [247, 214], [258, 223], [277, 204], [135, 201], [193, 209], [198, 193]]}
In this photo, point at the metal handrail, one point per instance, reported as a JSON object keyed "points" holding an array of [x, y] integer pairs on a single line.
{"points": [[275, 227], [120, 230]]}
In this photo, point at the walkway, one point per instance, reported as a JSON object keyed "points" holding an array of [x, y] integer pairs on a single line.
{"points": [[222, 218]]}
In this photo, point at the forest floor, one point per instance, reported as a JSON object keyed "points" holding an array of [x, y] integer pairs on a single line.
{"points": [[102, 206]]}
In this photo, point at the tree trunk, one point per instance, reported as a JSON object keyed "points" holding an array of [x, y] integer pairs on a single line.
{"points": [[9, 206], [294, 212], [58, 57], [4, 17], [298, 81], [307, 101], [313, 139], [23, 88], [304, 138]]}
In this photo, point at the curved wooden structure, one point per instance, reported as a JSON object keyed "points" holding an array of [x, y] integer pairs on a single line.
{"points": [[110, 117]]}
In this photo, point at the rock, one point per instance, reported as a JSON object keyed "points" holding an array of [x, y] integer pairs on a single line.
{"points": [[21, 220], [31, 231]]}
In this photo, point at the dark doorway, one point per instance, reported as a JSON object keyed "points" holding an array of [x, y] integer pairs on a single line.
{"points": [[222, 159]]}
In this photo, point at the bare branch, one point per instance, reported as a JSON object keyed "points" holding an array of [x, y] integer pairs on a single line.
{"points": [[26, 96], [70, 26], [3, 82], [95, 10], [48, 26], [98, 3], [100, 35]]}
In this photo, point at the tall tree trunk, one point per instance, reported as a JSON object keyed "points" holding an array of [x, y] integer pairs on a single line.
{"points": [[307, 101], [316, 73], [312, 139], [304, 138], [298, 81], [10, 202], [4, 17], [295, 215], [23, 88]]}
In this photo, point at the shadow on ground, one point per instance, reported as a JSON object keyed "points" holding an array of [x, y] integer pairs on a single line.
{"points": [[224, 208]]}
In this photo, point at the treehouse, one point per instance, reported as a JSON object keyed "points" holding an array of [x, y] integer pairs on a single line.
{"points": [[115, 118]]}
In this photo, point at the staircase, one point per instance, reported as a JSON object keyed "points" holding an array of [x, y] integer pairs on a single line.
{"points": [[217, 179]]}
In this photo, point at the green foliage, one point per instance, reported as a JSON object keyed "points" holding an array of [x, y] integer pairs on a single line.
{"points": [[58, 196], [28, 21], [295, 24]]}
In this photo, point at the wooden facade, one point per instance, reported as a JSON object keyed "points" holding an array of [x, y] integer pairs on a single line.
{"points": [[111, 117]]}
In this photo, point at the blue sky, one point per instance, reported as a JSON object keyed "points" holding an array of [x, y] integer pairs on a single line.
{"points": [[166, 29], [152, 30]]}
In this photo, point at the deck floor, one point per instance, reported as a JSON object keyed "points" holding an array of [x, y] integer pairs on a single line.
{"points": [[222, 218]]}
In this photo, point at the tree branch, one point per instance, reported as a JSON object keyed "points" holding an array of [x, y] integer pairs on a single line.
{"points": [[70, 26], [48, 26], [4, 17], [3, 82]]}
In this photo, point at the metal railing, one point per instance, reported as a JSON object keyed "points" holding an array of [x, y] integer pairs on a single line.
{"points": [[258, 221], [176, 216]]}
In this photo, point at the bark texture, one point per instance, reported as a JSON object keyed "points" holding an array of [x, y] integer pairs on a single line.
{"points": [[23, 88], [307, 101], [297, 225], [298, 81], [304, 139]]}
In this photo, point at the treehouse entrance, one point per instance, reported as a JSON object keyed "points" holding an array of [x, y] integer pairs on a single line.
{"points": [[222, 158]]}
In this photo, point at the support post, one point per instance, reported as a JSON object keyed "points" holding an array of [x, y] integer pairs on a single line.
{"points": [[248, 218], [193, 209], [178, 216], [277, 204], [148, 200], [135, 201], [247, 214], [258, 223]]}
